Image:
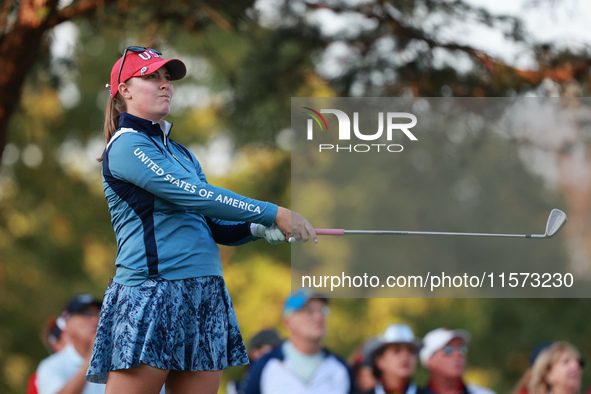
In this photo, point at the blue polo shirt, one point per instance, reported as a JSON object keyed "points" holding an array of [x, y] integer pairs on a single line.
{"points": [[166, 217]]}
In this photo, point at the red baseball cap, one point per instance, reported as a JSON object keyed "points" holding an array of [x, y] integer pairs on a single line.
{"points": [[143, 61]]}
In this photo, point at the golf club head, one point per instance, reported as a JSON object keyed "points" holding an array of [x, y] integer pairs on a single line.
{"points": [[556, 220]]}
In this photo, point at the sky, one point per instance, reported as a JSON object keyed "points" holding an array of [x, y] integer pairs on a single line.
{"points": [[563, 22], [566, 20]]}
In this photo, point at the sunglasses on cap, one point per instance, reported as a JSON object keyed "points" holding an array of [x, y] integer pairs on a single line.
{"points": [[135, 50], [449, 349]]}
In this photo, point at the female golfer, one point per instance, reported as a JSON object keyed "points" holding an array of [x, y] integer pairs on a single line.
{"points": [[167, 317]]}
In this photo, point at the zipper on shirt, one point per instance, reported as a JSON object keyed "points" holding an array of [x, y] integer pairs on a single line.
{"points": [[165, 142]]}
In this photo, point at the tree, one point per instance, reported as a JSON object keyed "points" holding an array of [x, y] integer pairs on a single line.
{"points": [[24, 26]]}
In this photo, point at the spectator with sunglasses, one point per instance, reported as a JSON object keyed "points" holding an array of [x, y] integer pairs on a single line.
{"points": [[444, 355], [557, 370], [167, 316]]}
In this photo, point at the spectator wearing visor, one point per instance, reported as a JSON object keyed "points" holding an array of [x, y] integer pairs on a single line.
{"points": [[444, 355], [301, 365], [394, 361], [63, 372]]}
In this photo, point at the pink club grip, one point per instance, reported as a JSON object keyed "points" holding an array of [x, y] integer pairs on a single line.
{"points": [[330, 231]]}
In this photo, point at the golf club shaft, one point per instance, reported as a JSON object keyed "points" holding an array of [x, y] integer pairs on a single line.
{"points": [[336, 231]]}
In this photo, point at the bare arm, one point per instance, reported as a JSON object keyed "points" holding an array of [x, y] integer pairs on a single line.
{"points": [[77, 383]]}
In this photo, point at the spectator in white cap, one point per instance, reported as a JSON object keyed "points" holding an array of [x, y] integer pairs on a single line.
{"points": [[301, 365], [394, 361], [444, 355]]}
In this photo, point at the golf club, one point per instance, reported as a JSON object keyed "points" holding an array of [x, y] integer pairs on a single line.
{"points": [[556, 220]]}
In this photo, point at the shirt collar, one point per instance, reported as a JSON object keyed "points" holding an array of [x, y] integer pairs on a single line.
{"points": [[73, 353], [402, 389], [435, 389], [144, 125]]}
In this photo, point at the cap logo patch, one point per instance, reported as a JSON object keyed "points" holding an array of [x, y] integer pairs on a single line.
{"points": [[143, 70], [147, 55]]}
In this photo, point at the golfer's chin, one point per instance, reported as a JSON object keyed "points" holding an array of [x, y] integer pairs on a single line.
{"points": [[165, 108], [161, 114]]}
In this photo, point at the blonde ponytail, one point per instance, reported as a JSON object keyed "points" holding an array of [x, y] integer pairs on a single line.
{"points": [[115, 106]]}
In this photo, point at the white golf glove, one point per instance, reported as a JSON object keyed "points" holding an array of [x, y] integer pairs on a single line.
{"points": [[272, 234]]}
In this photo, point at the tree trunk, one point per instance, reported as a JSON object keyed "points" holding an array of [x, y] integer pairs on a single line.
{"points": [[18, 49]]}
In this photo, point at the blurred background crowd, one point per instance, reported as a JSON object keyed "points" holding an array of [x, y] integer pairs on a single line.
{"points": [[293, 357]]}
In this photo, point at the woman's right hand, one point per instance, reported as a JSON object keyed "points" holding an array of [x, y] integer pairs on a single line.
{"points": [[294, 225]]}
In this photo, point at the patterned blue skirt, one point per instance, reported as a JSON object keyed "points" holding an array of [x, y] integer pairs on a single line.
{"points": [[184, 325]]}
